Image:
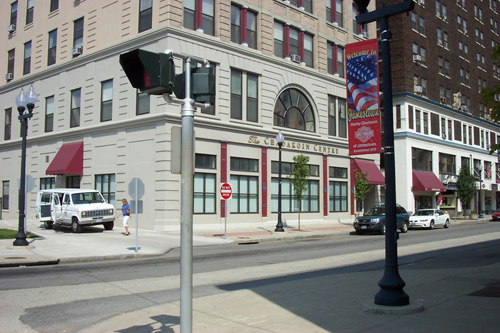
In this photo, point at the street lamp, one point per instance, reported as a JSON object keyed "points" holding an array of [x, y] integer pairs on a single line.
{"points": [[479, 206], [391, 285], [279, 138], [24, 101]]}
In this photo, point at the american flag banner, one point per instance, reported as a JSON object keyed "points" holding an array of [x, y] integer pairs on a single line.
{"points": [[363, 97]]}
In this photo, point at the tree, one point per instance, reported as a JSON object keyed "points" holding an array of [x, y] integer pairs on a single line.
{"points": [[299, 178], [361, 185], [491, 98], [466, 185]]}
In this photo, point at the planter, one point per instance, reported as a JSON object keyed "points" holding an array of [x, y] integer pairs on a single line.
{"points": [[473, 216]]}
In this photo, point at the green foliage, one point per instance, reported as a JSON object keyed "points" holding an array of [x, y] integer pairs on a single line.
{"points": [[466, 185], [299, 178], [488, 96], [361, 185], [11, 234]]}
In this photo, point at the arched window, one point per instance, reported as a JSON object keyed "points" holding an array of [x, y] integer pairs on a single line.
{"points": [[293, 110]]}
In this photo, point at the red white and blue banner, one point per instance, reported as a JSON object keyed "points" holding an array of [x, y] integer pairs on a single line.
{"points": [[363, 105]]}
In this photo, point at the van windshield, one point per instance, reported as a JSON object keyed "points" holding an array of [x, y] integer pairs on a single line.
{"points": [[86, 198], [375, 211]]}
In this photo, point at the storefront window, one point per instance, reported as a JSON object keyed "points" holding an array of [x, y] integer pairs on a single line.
{"points": [[245, 198], [310, 199], [204, 193], [338, 196]]}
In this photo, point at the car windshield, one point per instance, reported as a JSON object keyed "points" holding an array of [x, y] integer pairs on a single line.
{"points": [[424, 213], [86, 198], [375, 211]]}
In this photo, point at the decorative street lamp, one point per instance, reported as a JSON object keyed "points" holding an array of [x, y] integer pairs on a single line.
{"points": [[24, 101], [479, 206], [279, 138], [391, 285]]}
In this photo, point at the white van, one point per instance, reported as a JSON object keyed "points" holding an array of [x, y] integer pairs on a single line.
{"points": [[75, 208]]}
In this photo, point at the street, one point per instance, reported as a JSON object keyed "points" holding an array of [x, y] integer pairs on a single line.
{"points": [[74, 297]]}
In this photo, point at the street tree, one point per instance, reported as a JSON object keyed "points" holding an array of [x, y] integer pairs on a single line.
{"points": [[466, 185], [299, 178], [361, 186], [491, 96]]}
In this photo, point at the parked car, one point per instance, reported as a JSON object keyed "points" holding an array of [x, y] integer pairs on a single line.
{"points": [[74, 208], [496, 215], [429, 218], [374, 220]]}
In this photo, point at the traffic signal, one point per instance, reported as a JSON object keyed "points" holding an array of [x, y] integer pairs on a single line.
{"points": [[203, 83], [152, 73]]}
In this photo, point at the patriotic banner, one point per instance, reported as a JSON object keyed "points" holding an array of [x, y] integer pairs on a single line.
{"points": [[363, 108]]}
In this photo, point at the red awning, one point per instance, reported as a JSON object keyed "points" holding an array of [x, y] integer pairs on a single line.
{"points": [[427, 181], [375, 177], [68, 160]]}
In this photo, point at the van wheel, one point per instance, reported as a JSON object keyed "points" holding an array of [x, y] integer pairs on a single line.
{"points": [[48, 224], [75, 227], [109, 225]]}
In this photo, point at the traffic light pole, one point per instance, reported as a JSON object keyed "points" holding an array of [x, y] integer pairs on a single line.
{"points": [[187, 187]]}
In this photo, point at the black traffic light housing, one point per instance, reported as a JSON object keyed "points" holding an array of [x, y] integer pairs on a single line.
{"points": [[203, 83], [150, 72]]}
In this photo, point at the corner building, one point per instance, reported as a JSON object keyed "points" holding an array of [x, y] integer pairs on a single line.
{"points": [[279, 66]]}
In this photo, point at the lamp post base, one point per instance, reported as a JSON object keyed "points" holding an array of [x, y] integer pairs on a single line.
{"points": [[279, 227], [20, 240]]}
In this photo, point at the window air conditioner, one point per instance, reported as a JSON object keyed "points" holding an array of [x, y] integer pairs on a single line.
{"points": [[465, 108], [442, 100], [76, 51], [9, 76], [419, 89], [11, 28], [295, 57], [365, 34], [417, 58]]}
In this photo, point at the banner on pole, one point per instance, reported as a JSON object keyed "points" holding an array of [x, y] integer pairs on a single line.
{"points": [[363, 105]]}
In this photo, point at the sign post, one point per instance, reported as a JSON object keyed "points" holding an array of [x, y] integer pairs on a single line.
{"points": [[136, 191], [226, 193]]}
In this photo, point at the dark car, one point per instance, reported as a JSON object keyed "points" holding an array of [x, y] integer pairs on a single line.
{"points": [[374, 220]]}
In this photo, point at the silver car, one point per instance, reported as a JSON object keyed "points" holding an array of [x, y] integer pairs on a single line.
{"points": [[429, 218]]}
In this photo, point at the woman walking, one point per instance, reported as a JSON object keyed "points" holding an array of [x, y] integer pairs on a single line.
{"points": [[126, 215]]}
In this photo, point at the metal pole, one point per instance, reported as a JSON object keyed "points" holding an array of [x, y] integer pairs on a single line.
{"points": [[187, 185], [21, 235], [480, 206], [225, 220], [279, 226], [136, 216], [391, 284]]}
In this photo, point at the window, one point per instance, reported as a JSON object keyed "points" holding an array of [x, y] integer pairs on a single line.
{"points": [[78, 33], [334, 12], [470, 135], [204, 161], [47, 183], [338, 196], [417, 121], [245, 198], [421, 25], [356, 28], [49, 114], [440, 37], [5, 194], [8, 123], [292, 42], [335, 54], [310, 198], [145, 15], [204, 193], [426, 123], [27, 58], [457, 125], [13, 13], [143, 103], [106, 100], [414, 21], [450, 130], [293, 110], [410, 117], [337, 115], [29, 11], [52, 47], [243, 33], [303, 4], [445, 40], [73, 181], [106, 185], [337, 172], [238, 103], [244, 164], [196, 18], [11, 56], [54, 5], [422, 159], [75, 108]]}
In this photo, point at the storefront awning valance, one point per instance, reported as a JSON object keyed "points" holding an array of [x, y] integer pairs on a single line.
{"points": [[427, 181], [375, 177], [68, 160]]}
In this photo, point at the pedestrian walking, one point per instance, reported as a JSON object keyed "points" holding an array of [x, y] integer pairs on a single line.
{"points": [[126, 215]]}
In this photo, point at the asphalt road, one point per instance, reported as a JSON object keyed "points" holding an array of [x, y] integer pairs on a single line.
{"points": [[66, 298]]}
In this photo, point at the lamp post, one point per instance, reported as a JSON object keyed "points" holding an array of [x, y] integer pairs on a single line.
{"points": [[479, 206], [279, 138], [391, 285], [23, 101]]}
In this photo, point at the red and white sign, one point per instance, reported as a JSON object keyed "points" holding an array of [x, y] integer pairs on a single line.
{"points": [[226, 191]]}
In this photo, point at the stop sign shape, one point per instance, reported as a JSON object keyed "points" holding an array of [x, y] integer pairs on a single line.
{"points": [[226, 191]]}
